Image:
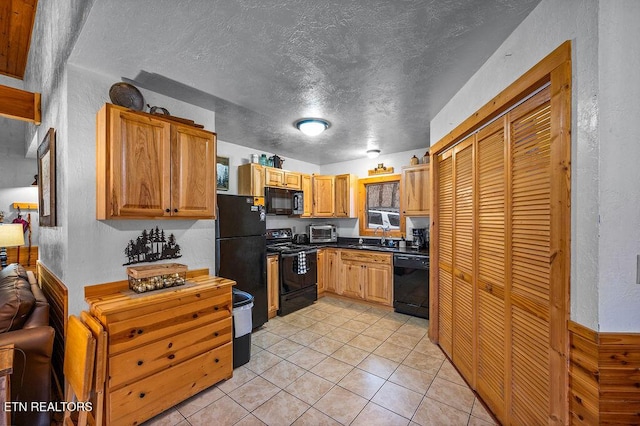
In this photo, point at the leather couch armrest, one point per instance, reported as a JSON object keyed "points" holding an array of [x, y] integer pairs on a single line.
{"points": [[37, 340], [31, 377]]}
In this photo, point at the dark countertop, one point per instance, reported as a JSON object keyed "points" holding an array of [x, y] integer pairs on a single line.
{"points": [[373, 245]]}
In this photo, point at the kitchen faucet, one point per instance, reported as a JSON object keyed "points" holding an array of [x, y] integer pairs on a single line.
{"points": [[383, 239]]}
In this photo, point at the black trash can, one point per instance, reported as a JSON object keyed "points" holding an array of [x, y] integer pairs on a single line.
{"points": [[242, 324]]}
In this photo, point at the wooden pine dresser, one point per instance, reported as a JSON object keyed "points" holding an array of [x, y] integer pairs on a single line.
{"points": [[163, 346]]}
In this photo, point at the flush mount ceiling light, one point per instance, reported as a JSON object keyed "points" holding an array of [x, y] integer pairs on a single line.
{"points": [[373, 153], [312, 126]]}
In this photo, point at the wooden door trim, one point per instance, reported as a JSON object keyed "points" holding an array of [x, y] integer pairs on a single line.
{"points": [[555, 70]]}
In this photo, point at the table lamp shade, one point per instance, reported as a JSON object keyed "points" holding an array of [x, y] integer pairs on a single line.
{"points": [[11, 235]]}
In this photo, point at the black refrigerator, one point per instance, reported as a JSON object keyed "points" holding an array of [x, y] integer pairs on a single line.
{"points": [[241, 249]]}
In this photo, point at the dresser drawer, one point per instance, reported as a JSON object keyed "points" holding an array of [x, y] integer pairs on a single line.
{"points": [[139, 362], [130, 333], [148, 397]]}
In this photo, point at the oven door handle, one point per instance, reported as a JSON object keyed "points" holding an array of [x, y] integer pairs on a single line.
{"points": [[298, 253]]}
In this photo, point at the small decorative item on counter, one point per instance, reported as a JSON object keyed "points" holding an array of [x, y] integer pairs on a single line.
{"points": [[263, 160], [148, 278], [414, 160], [255, 158], [425, 158]]}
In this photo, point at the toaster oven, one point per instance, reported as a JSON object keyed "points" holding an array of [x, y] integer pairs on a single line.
{"points": [[322, 233]]}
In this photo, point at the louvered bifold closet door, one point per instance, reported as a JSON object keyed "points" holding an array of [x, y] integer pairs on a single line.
{"points": [[530, 222], [491, 177], [463, 308], [445, 257]]}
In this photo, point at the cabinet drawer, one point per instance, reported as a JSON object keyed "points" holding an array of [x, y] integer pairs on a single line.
{"points": [[130, 333], [144, 399], [132, 365], [366, 256]]}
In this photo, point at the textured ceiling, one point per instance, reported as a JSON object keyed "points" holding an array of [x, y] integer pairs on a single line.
{"points": [[377, 70]]}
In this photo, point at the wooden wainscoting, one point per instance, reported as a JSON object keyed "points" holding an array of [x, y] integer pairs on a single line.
{"points": [[604, 377], [583, 375], [24, 256], [57, 295]]}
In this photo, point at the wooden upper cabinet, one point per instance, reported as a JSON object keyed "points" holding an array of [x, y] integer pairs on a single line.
{"points": [[193, 178], [292, 180], [274, 177], [414, 184], [307, 191], [345, 187], [251, 179], [151, 168], [324, 200], [282, 178]]}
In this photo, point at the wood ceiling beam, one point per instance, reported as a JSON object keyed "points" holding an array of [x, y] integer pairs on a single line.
{"points": [[17, 18], [19, 104]]}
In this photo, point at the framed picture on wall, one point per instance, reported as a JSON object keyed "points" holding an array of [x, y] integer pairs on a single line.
{"points": [[47, 179], [222, 173]]}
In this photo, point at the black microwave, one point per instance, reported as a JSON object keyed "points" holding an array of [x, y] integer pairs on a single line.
{"points": [[278, 201]]}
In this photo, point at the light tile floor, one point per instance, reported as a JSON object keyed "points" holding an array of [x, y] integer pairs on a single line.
{"points": [[337, 362]]}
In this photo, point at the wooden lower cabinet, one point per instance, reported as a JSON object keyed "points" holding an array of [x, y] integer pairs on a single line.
{"points": [[353, 277], [378, 283], [360, 274], [273, 285], [164, 346], [321, 256], [331, 269]]}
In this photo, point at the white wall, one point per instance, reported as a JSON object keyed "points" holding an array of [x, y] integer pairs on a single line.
{"points": [[619, 178], [605, 203]]}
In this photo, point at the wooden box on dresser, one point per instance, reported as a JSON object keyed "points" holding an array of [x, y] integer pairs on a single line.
{"points": [[163, 346]]}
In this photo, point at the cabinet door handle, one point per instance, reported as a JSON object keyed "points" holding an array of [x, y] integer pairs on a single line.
{"points": [[217, 360], [216, 334], [140, 362], [167, 210], [175, 210], [142, 394]]}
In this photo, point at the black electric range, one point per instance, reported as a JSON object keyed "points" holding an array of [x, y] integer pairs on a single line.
{"points": [[298, 270]]}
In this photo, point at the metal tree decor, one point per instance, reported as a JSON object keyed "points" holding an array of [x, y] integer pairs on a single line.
{"points": [[152, 246]]}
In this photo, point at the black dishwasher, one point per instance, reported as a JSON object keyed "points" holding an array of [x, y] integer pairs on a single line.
{"points": [[411, 284]]}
